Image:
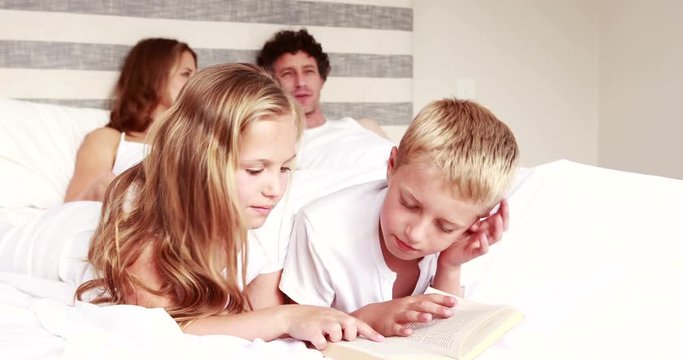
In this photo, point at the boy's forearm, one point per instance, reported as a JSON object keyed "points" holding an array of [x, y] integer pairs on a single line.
{"points": [[362, 313], [447, 279]]}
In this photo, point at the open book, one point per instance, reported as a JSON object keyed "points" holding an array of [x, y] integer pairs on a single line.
{"points": [[472, 328]]}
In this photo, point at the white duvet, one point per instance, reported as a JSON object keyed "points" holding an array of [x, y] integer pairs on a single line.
{"points": [[592, 258], [37, 322]]}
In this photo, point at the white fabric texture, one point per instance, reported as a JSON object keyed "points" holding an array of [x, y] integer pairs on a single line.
{"points": [[55, 245], [37, 322], [128, 154], [38, 145], [13, 216], [342, 144], [593, 260], [335, 258]]}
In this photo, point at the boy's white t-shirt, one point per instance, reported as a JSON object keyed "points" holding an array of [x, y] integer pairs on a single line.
{"points": [[334, 256]]}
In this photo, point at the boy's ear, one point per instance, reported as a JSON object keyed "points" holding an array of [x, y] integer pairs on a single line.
{"points": [[391, 163], [475, 225], [481, 218]]}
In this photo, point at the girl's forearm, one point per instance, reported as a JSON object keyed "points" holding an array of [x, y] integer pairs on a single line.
{"points": [[266, 324]]}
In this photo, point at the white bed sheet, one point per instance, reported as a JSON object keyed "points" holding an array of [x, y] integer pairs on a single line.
{"points": [[37, 321], [592, 258]]}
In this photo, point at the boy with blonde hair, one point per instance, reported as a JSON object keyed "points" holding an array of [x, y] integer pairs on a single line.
{"points": [[373, 249]]}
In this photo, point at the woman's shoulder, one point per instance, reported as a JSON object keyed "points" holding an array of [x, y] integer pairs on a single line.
{"points": [[102, 141], [104, 134], [103, 137]]}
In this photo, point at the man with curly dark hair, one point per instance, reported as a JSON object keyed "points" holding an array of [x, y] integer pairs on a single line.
{"points": [[298, 61], [301, 65]]}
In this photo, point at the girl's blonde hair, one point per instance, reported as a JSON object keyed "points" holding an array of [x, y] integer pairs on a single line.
{"points": [[182, 199], [476, 152]]}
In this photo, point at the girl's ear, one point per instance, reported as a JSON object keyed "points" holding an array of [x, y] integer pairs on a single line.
{"points": [[391, 163]]}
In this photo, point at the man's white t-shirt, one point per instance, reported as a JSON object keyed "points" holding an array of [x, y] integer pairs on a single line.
{"points": [[342, 144], [334, 256]]}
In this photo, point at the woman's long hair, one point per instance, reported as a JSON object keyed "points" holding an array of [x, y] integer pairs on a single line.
{"points": [[142, 84], [182, 199]]}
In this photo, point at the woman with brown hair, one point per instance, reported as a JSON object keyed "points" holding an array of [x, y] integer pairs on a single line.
{"points": [[153, 73]]}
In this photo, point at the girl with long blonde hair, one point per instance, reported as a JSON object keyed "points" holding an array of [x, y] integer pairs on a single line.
{"points": [[172, 231]]}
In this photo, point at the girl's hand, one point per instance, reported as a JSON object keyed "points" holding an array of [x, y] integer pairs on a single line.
{"points": [[392, 318], [318, 325]]}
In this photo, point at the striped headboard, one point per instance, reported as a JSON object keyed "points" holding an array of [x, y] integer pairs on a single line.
{"points": [[69, 51]]}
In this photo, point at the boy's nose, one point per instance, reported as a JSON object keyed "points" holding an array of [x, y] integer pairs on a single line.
{"points": [[416, 232]]}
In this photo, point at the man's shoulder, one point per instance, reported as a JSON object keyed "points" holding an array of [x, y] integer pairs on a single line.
{"points": [[345, 121], [350, 124]]}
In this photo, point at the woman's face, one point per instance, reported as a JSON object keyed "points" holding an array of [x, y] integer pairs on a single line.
{"points": [[267, 150], [180, 73]]}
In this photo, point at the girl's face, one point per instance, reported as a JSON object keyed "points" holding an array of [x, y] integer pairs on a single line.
{"points": [[267, 150], [181, 72]]}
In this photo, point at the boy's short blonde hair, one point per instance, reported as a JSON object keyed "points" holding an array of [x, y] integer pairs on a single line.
{"points": [[477, 153]]}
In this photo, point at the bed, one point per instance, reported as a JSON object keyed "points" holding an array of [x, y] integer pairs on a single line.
{"points": [[592, 259]]}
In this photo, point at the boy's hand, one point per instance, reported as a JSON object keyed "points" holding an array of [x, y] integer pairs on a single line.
{"points": [[392, 318], [477, 239], [318, 325]]}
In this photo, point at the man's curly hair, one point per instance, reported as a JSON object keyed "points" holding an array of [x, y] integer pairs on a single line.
{"points": [[288, 41]]}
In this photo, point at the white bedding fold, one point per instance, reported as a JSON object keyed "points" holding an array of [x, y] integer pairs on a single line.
{"points": [[134, 332], [32, 327]]}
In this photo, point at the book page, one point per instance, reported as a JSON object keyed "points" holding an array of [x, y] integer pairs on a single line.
{"points": [[487, 333], [445, 336], [441, 338], [394, 348]]}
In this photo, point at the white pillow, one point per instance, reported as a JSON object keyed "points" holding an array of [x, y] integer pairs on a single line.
{"points": [[38, 145]]}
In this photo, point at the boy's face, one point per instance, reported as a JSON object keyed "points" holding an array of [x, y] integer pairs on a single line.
{"points": [[420, 216]]}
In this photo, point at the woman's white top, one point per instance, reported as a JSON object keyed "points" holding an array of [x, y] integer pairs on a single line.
{"points": [[128, 154]]}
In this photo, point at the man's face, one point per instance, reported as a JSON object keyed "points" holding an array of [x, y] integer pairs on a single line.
{"points": [[298, 73]]}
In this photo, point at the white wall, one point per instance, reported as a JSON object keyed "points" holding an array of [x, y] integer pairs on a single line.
{"points": [[641, 81], [534, 64]]}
